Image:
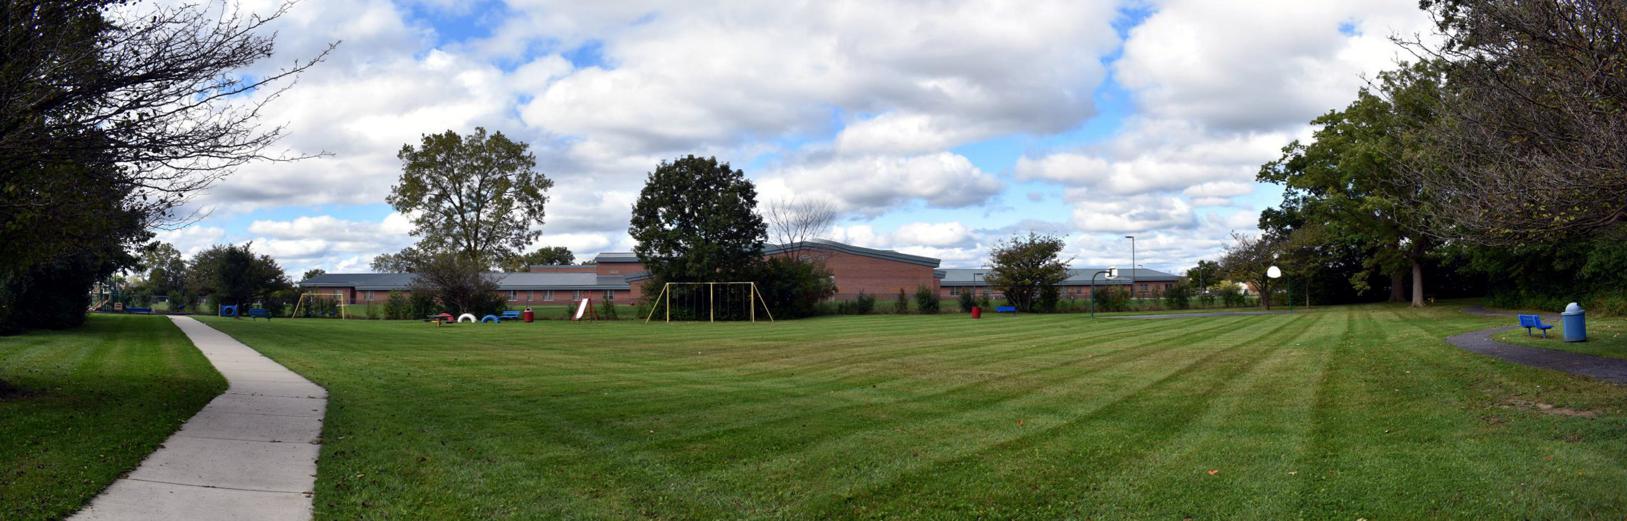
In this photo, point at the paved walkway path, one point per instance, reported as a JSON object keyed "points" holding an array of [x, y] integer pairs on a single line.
{"points": [[1608, 369], [248, 455]]}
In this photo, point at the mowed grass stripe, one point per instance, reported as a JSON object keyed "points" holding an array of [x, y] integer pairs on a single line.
{"points": [[1003, 472], [917, 417], [955, 402]]}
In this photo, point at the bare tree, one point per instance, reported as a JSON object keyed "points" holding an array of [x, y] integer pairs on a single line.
{"points": [[1531, 142], [1247, 260], [111, 116], [793, 222]]}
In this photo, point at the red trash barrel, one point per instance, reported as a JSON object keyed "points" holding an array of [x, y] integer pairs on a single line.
{"points": [[977, 312], [528, 316]]}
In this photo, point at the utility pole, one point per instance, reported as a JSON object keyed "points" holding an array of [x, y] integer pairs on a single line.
{"points": [[1132, 265]]}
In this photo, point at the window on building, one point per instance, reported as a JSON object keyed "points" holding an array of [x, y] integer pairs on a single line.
{"points": [[513, 295], [576, 295], [954, 290], [609, 295], [370, 296], [548, 296]]}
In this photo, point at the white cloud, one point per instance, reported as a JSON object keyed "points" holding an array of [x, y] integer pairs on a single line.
{"points": [[870, 185], [1259, 65], [329, 243], [192, 239], [1130, 214]]}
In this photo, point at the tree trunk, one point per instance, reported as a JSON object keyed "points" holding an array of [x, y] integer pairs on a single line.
{"points": [[1265, 295], [1398, 287], [1417, 259]]}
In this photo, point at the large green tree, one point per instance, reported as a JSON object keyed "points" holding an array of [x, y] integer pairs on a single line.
{"points": [[234, 275], [476, 195], [1534, 120], [696, 220], [1349, 186], [1026, 267]]}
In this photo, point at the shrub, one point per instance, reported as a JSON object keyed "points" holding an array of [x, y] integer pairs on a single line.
{"points": [[983, 300], [1111, 299], [1178, 296], [903, 305], [926, 300], [396, 306], [967, 301], [607, 309], [1231, 297], [1048, 297], [794, 288], [1207, 299], [864, 304]]}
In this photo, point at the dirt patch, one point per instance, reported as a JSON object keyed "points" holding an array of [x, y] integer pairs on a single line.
{"points": [[8, 392], [1548, 408]]}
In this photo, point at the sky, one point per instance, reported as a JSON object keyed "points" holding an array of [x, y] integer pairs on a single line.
{"points": [[936, 127]]}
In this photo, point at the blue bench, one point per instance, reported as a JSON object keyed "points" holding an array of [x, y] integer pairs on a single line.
{"points": [[509, 315], [148, 311], [1534, 321], [260, 313], [1006, 309]]}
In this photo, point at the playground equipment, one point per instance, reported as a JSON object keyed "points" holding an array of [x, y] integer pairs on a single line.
{"points": [[469, 316], [260, 313], [490, 319], [307, 300], [710, 301], [228, 310], [585, 311]]}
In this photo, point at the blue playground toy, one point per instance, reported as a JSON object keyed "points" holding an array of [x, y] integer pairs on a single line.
{"points": [[229, 311], [260, 313], [147, 311], [509, 315], [1006, 309], [1534, 321], [490, 318]]}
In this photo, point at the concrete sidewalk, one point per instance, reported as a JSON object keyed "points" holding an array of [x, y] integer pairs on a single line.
{"points": [[248, 455]]}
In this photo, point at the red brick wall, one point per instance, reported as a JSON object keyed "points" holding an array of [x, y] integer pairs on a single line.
{"points": [[618, 268], [880, 277]]}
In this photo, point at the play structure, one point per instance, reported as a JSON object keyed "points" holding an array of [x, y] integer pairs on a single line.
{"points": [[328, 304], [228, 310], [709, 301]]}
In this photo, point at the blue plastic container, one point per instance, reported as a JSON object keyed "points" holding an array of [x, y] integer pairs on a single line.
{"points": [[1575, 323]]}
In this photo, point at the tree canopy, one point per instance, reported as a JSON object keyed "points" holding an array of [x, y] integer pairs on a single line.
{"points": [[544, 256], [119, 114], [235, 275], [1349, 187], [1533, 120], [695, 220], [477, 196]]}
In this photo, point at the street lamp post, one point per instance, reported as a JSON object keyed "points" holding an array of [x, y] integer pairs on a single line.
{"points": [[1132, 265], [1265, 297], [1112, 273]]}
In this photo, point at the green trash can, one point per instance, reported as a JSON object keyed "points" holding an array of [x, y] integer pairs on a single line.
{"points": [[1575, 322]]}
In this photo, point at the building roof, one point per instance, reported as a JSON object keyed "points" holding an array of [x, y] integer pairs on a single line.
{"points": [[1076, 277], [505, 281], [615, 257], [823, 244], [361, 281]]}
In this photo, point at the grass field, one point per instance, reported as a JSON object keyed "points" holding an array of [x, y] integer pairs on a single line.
{"points": [[86, 405], [1337, 413], [1607, 336]]}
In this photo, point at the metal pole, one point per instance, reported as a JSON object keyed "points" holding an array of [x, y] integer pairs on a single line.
{"points": [[1093, 294], [711, 302], [669, 301], [1132, 266]]}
